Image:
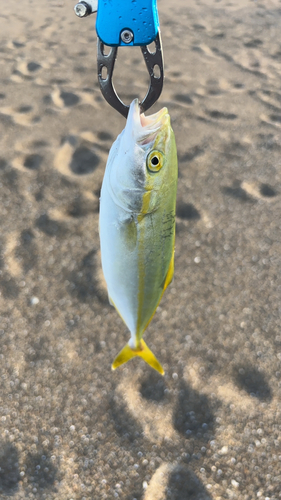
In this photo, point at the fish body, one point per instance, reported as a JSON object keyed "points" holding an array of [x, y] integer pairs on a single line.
{"points": [[137, 224]]}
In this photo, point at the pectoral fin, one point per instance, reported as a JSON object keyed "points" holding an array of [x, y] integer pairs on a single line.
{"points": [[143, 352]]}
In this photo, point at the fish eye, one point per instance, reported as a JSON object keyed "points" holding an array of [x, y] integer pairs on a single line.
{"points": [[155, 161]]}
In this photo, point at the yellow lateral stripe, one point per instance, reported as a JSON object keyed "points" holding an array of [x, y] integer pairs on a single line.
{"points": [[141, 271], [170, 273], [146, 201]]}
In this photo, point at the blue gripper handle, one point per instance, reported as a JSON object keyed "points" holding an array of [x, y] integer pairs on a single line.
{"points": [[138, 16]]}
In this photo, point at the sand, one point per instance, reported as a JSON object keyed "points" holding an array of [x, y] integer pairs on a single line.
{"points": [[69, 427]]}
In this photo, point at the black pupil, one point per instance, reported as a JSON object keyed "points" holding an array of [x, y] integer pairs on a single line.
{"points": [[155, 161]]}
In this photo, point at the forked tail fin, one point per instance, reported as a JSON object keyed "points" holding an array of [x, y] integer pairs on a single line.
{"points": [[144, 352]]}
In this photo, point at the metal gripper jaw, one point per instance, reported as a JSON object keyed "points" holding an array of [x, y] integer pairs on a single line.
{"points": [[154, 64], [121, 23]]}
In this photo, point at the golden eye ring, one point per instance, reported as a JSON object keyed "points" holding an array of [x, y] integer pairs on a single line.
{"points": [[155, 161]]}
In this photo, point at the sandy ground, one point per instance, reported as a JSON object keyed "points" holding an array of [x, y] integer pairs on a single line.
{"points": [[69, 427]]}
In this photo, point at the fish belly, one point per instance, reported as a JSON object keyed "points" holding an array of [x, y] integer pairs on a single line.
{"points": [[119, 259], [136, 256]]}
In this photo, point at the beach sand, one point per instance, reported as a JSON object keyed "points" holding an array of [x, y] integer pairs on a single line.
{"points": [[70, 428]]}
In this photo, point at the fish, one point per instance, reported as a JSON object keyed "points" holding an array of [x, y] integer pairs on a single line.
{"points": [[137, 224]]}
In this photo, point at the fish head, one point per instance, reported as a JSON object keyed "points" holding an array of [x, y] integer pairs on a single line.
{"points": [[144, 163]]}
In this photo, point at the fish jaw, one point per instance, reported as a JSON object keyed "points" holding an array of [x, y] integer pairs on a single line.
{"points": [[143, 129]]}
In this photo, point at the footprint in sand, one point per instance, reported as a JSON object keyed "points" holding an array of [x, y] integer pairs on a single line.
{"points": [[26, 252], [174, 416], [11, 262], [21, 253], [247, 191], [183, 98], [187, 211], [33, 161], [30, 155], [84, 160], [8, 286], [105, 136], [86, 282], [9, 468], [81, 157], [221, 115], [175, 482], [40, 470], [260, 191], [267, 191], [51, 227], [270, 142], [182, 412], [83, 205], [25, 70], [217, 88], [28, 162], [235, 149], [63, 99], [252, 381], [253, 43], [18, 44], [22, 115], [192, 153], [273, 119], [238, 86], [238, 192], [204, 50], [268, 97], [76, 157]]}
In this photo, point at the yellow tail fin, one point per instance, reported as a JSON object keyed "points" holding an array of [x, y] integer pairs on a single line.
{"points": [[144, 352]]}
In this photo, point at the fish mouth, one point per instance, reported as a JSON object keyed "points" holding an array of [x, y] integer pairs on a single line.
{"points": [[145, 128]]}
